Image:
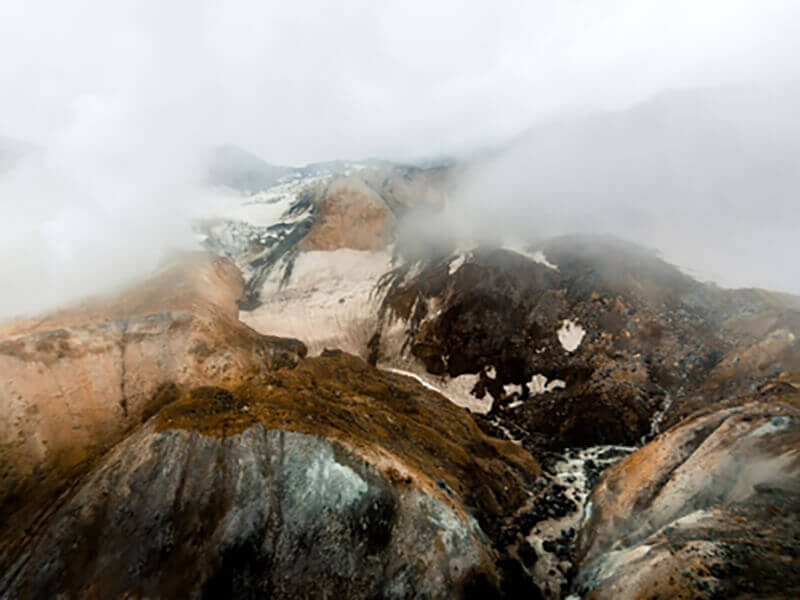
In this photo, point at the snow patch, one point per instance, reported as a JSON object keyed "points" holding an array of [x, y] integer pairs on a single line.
{"points": [[327, 302], [265, 208], [456, 263], [570, 335], [537, 385], [536, 256], [415, 376], [456, 389]]}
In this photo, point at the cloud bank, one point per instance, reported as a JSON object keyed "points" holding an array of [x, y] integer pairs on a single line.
{"points": [[125, 99]]}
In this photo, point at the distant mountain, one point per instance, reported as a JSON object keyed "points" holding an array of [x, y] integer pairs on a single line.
{"points": [[241, 170], [238, 169]]}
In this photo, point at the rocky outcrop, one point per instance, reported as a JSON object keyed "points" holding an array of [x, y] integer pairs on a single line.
{"points": [[75, 383], [349, 215], [708, 509], [763, 354], [329, 479], [579, 344], [583, 341], [323, 207], [265, 513]]}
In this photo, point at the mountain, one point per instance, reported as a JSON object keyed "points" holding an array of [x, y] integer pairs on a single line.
{"points": [[329, 403], [153, 444], [579, 348], [238, 169]]}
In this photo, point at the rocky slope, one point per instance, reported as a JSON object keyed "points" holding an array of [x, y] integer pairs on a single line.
{"points": [[584, 340], [581, 349], [168, 447], [75, 383], [156, 445], [312, 248], [330, 479], [707, 510], [349, 215]]}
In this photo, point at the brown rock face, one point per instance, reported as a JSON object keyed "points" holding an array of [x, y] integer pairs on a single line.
{"points": [[763, 353], [154, 446], [708, 509], [75, 383], [350, 215], [262, 514], [328, 479]]}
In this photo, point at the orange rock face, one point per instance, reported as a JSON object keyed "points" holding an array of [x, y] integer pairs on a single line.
{"points": [[188, 437], [706, 510], [350, 215], [73, 384]]}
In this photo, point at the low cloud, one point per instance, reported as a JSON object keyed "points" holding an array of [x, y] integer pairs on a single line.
{"points": [[125, 99]]}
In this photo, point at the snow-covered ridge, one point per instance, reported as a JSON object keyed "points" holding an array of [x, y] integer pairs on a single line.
{"points": [[536, 256]]}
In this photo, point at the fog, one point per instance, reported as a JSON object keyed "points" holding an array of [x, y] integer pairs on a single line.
{"points": [[709, 178], [124, 101]]}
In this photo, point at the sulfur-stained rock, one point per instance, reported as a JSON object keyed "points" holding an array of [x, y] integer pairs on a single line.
{"points": [[349, 215], [73, 384], [331, 479], [708, 509]]}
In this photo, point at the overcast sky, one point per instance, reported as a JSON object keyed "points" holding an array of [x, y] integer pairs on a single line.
{"points": [[311, 80], [127, 96]]}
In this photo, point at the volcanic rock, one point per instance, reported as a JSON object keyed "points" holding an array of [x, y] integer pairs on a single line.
{"points": [[329, 479], [504, 315], [350, 215], [708, 509], [75, 383]]}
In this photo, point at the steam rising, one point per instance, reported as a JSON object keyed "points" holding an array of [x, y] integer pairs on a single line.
{"points": [[124, 101]]}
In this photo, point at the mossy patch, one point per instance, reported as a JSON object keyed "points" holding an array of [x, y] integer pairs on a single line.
{"points": [[339, 397]]}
